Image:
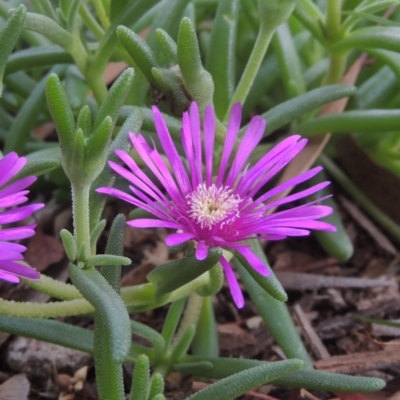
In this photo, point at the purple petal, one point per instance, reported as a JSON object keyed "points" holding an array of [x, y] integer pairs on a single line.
{"points": [[17, 233], [18, 214], [296, 196], [196, 138], [307, 224], [187, 143], [276, 166], [135, 180], [170, 151], [17, 186], [157, 165], [11, 256], [201, 251], [10, 165], [253, 260], [127, 159], [291, 183], [130, 199], [6, 246], [250, 140], [301, 212], [234, 287], [178, 238], [152, 223], [285, 231], [14, 199], [8, 277], [273, 154], [19, 270], [231, 135], [209, 137]]}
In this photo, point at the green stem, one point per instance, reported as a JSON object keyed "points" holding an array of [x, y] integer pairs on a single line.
{"points": [[337, 61], [257, 55], [45, 310], [190, 317], [101, 13], [109, 379], [136, 298], [333, 16], [80, 210], [91, 22], [94, 78], [338, 175], [337, 66], [54, 288]]}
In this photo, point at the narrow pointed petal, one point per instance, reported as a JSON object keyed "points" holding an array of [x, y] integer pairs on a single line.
{"points": [[201, 251], [254, 261], [209, 137], [291, 183], [22, 232], [11, 164], [231, 135], [18, 214], [170, 151], [298, 195], [17, 186], [11, 256], [18, 269], [13, 199], [178, 238], [152, 223], [234, 287], [196, 139], [249, 142], [8, 277]]}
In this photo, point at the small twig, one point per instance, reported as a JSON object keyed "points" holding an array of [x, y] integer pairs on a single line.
{"points": [[312, 337]]}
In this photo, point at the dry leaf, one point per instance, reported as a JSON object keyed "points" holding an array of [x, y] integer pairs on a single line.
{"points": [[15, 388]]}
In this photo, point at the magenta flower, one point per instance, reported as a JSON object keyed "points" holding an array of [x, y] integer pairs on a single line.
{"points": [[218, 206], [11, 196]]}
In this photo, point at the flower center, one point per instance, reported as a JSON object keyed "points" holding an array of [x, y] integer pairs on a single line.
{"points": [[211, 205]]}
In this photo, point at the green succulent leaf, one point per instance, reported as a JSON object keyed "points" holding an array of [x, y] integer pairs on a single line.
{"points": [[140, 51], [198, 82], [237, 384], [62, 115], [115, 98], [367, 121], [69, 243], [167, 46], [170, 276], [140, 379], [9, 36], [108, 305], [286, 112], [115, 246], [221, 56], [380, 37], [307, 378], [48, 330]]}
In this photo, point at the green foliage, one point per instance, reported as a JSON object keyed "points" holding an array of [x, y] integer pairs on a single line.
{"points": [[241, 382], [215, 53], [9, 36], [170, 276], [108, 305]]}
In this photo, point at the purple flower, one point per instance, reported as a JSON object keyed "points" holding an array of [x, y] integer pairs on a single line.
{"points": [[12, 195], [212, 200]]}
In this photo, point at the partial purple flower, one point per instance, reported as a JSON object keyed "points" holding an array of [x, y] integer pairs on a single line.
{"points": [[11, 196], [218, 206]]}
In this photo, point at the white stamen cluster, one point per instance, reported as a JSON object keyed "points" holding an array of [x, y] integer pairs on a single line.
{"points": [[211, 205]]}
